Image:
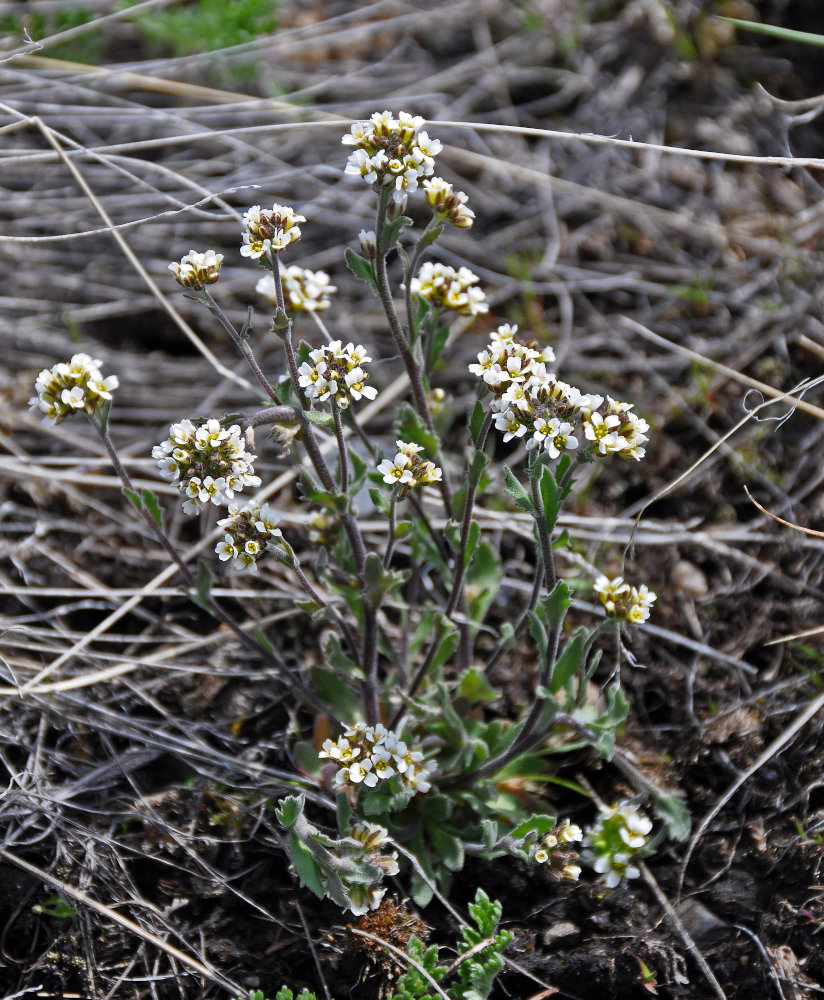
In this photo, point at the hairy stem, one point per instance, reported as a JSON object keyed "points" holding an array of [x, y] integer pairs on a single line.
{"points": [[343, 458], [248, 640], [241, 343]]}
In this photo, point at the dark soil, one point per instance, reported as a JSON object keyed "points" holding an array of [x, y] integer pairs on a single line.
{"points": [[151, 790]]}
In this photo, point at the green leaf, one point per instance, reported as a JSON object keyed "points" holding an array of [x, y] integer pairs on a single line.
{"points": [[483, 580], [289, 809], [420, 891], [411, 428], [437, 808], [538, 633], [554, 606], [338, 659], [403, 529], [517, 492], [489, 833], [203, 588], [436, 345], [153, 507], [448, 847], [343, 808], [570, 662], [320, 418], [550, 497], [360, 267], [392, 232], [133, 497], [472, 539], [541, 823], [675, 816], [104, 412], [562, 541], [377, 580], [475, 687], [358, 472], [375, 803], [774, 31], [476, 420], [380, 501], [445, 649], [479, 463], [336, 693], [308, 871]]}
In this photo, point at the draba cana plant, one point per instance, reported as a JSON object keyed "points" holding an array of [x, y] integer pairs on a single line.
{"points": [[406, 742]]}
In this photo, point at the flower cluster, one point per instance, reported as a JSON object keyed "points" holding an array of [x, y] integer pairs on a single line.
{"points": [[445, 288], [554, 849], [448, 203], [196, 270], [208, 463], [269, 232], [248, 531], [392, 152], [408, 470], [368, 754], [70, 387], [533, 403], [334, 372], [618, 834], [303, 290], [372, 838], [622, 601]]}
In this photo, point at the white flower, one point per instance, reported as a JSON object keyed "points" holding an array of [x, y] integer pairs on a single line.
{"points": [[71, 387], [303, 290], [208, 463], [196, 270], [391, 152], [408, 470], [269, 231]]}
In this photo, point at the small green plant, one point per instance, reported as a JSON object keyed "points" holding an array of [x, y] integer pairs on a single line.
{"points": [[422, 772], [469, 977], [55, 906], [207, 25]]}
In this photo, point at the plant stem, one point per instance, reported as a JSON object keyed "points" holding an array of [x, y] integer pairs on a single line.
{"points": [[343, 458], [241, 343], [420, 673], [547, 557], [466, 523], [537, 586], [272, 415], [369, 664], [248, 640], [412, 369], [390, 540], [350, 525]]}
